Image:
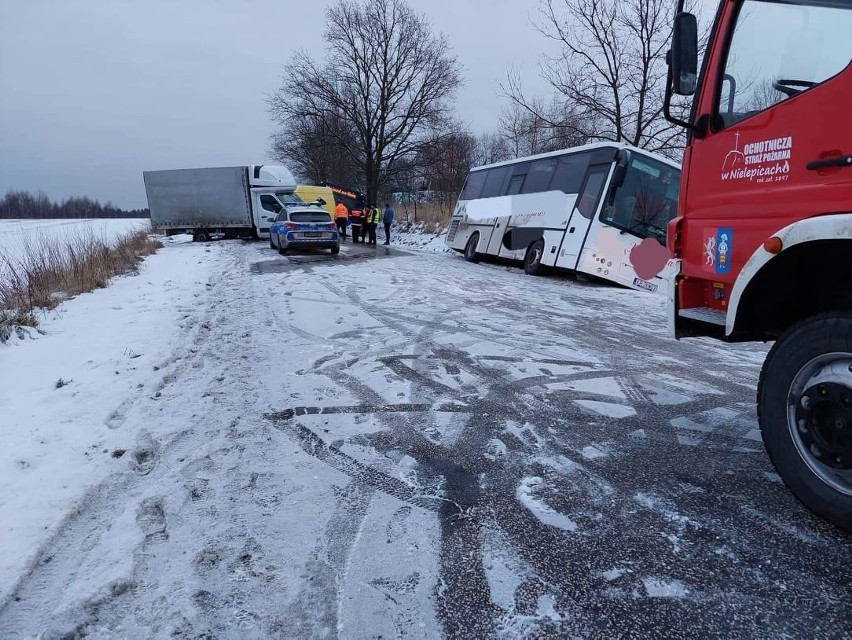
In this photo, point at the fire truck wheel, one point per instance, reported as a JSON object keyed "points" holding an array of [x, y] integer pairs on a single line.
{"points": [[470, 249], [804, 405], [532, 260]]}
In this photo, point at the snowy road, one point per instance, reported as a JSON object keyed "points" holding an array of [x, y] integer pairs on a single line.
{"points": [[394, 444]]}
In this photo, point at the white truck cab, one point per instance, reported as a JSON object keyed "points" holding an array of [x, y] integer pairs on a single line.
{"points": [[269, 184]]}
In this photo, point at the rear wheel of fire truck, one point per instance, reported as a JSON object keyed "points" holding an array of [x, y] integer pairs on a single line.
{"points": [[532, 259], [470, 249], [804, 405]]}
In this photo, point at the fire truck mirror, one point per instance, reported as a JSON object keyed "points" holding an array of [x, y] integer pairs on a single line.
{"points": [[684, 54]]}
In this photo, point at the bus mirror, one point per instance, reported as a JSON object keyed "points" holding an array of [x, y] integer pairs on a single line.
{"points": [[684, 54], [622, 161]]}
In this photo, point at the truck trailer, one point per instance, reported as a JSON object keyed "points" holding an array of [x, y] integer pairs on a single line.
{"points": [[232, 201], [763, 234]]}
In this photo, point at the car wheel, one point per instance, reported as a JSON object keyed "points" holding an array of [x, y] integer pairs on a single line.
{"points": [[335, 250], [804, 406], [532, 260], [470, 249]]}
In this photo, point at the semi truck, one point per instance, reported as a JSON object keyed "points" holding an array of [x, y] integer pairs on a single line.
{"points": [[240, 201], [762, 239]]}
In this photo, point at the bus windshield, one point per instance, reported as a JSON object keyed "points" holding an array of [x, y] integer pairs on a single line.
{"points": [[646, 201]]}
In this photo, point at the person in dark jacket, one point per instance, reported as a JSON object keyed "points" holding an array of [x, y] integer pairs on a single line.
{"points": [[387, 218], [356, 220]]}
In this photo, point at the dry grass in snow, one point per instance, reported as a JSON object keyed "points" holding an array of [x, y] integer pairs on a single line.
{"points": [[46, 272]]}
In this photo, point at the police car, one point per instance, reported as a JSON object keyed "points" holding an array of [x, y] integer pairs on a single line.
{"points": [[304, 226]]}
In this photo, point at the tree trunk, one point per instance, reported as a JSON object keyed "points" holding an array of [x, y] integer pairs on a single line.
{"points": [[372, 177]]}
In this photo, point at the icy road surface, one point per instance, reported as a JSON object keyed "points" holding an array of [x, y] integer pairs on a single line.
{"points": [[391, 443]]}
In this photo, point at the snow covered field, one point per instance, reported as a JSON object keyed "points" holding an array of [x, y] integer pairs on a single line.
{"points": [[16, 234], [391, 442]]}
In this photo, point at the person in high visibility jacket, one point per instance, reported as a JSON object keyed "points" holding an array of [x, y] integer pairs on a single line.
{"points": [[373, 219], [341, 217]]}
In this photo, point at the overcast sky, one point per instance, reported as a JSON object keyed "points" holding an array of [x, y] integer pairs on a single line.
{"points": [[93, 92]]}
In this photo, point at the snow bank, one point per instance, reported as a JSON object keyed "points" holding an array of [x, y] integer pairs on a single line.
{"points": [[417, 236]]}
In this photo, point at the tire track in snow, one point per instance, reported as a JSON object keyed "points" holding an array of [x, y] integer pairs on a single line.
{"points": [[657, 454]]}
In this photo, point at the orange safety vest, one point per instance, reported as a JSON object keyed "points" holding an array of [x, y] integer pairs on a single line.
{"points": [[340, 211]]}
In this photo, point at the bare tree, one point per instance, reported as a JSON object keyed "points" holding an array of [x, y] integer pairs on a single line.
{"points": [[491, 147], [309, 146], [445, 164], [610, 67], [388, 76], [535, 127]]}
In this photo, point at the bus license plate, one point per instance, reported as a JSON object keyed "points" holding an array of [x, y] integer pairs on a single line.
{"points": [[645, 285]]}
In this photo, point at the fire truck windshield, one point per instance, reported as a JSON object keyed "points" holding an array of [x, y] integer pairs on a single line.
{"points": [[780, 49], [645, 201]]}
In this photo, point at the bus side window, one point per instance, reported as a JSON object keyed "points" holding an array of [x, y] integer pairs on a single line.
{"points": [[539, 176], [588, 201], [515, 185], [570, 172], [473, 186], [494, 182]]}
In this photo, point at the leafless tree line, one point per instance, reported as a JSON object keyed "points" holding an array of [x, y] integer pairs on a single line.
{"points": [[377, 113], [23, 205]]}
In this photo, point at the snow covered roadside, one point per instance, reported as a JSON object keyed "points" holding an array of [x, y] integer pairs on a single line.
{"points": [[417, 237], [58, 438], [214, 519]]}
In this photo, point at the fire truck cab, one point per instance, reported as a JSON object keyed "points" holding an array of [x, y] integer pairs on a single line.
{"points": [[763, 235]]}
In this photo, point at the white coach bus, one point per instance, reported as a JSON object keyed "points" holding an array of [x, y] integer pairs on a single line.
{"points": [[582, 209]]}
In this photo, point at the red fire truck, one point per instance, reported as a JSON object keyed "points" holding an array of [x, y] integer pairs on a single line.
{"points": [[763, 235]]}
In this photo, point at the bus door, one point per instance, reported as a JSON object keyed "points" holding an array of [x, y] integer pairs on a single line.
{"points": [[501, 226], [582, 215]]}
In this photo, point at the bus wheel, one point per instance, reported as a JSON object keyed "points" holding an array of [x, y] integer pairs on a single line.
{"points": [[532, 261], [470, 249], [804, 405]]}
